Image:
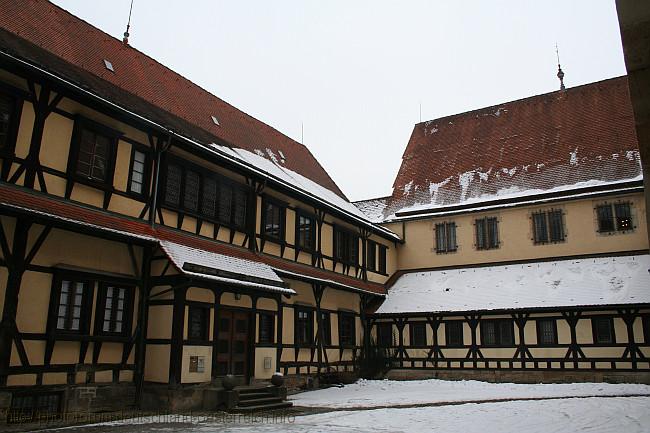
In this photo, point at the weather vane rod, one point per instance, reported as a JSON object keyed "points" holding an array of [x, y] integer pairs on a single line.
{"points": [[125, 40]]}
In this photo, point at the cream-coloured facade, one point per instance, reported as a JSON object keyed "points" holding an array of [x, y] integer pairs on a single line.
{"points": [[149, 248]]}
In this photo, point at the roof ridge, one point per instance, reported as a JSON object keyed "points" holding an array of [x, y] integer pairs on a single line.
{"points": [[521, 100], [371, 199]]}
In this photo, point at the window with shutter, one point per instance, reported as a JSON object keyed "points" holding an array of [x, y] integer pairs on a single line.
{"points": [[487, 233], [446, 237]]}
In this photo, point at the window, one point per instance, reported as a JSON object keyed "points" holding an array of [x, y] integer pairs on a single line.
{"points": [[418, 334], [382, 259], [384, 334], [346, 247], [273, 220], [326, 331], [240, 199], [371, 256], [616, 217], [497, 333], [548, 227], [623, 216], [198, 322], [93, 151], [454, 333], [71, 312], [546, 332], [34, 407], [267, 328], [138, 172], [203, 194], [305, 232], [347, 335], [9, 113], [487, 233], [191, 191], [173, 185], [603, 330], [114, 301], [304, 327], [209, 198], [446, 238]]}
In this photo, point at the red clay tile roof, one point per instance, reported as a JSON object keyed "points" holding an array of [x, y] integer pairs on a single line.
{"points": [[54, 208], [554, 140], [70, 47]]}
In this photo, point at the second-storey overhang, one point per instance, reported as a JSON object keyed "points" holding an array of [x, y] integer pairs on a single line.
{"points": [[195, 257]]}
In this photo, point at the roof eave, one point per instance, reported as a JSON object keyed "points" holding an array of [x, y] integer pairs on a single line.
{"points": [[222, 155]]}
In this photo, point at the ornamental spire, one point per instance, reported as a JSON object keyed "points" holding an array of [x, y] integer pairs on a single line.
{"points": [[125, 40], [560, 73]]}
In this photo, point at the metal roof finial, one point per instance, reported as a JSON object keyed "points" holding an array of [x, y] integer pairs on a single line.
{"points": [[560, 73], [125, 40]]}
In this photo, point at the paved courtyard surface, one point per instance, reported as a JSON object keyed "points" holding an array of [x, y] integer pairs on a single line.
{"points": [[442, 406]]}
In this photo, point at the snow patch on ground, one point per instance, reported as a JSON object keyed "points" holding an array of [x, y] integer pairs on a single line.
{"points": [[381, 393]]}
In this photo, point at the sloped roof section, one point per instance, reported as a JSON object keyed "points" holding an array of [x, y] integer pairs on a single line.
{"points": [[563, 283], [546, 142], [223, 268], [44, 34], [373, 208]]}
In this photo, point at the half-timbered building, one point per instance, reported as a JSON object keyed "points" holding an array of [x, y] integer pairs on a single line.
{"points": [[525, 245], [155, 237]]}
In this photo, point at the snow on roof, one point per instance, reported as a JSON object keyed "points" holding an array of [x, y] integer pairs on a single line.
{"points": [[518, 196], [220, 267], [557, 140], [276, 169], [563, 283], [373, 208]]}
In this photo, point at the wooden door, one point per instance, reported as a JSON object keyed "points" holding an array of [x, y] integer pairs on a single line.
{"points": [[232, 343]]}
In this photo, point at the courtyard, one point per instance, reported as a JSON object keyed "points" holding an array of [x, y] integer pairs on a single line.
{"points": [[428, 406]]}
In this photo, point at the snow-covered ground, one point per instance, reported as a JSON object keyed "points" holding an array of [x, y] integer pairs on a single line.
{"points": [[382, 393], [357, 408], [594, 415]]}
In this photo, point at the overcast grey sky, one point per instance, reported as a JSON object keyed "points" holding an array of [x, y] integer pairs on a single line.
{"points": [[356, 72]]}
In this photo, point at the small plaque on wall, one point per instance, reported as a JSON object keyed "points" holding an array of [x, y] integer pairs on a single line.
{"points": [[197, 364]]}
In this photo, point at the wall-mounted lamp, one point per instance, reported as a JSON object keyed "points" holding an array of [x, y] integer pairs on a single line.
{"points": [[237, 296]]}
